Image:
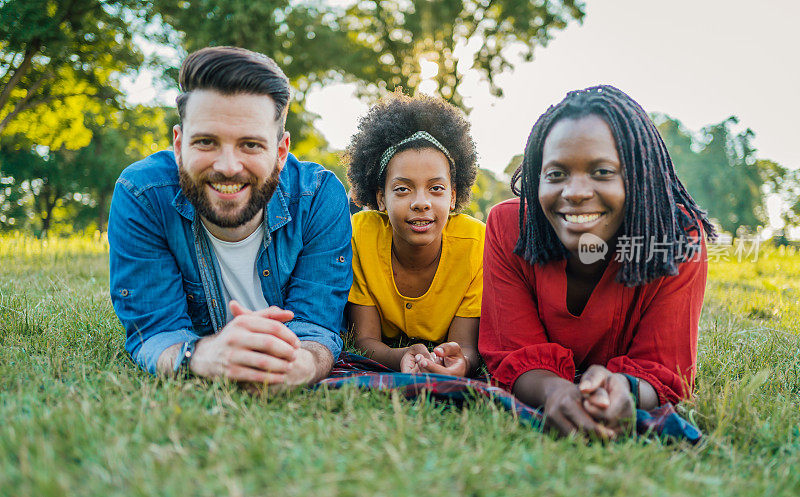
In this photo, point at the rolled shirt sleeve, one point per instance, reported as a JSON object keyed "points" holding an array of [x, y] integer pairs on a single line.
{"points": [[145, 281]]}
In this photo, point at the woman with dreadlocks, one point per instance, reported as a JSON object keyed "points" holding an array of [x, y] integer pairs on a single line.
{"points": [[417, 263], [594, 277]]}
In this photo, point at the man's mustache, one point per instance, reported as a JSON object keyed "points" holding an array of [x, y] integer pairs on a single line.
{"points": [[218, 177]]}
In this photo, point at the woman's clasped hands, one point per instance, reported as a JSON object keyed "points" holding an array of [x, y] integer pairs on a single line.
{"points": [[600, 405]]}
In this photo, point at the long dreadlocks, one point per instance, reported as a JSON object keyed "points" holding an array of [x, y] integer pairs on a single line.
{"points": [[657, 205]]}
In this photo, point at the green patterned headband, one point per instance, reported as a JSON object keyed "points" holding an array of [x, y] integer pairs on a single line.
{"points": [[419, 135]]}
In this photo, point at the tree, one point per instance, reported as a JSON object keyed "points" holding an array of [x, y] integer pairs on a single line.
{"points": [[59, 59], [41, 181], [388, 39], [378, 44], [720, 170], [47, 188], [486, 193], [119, 139], [292, 33]]}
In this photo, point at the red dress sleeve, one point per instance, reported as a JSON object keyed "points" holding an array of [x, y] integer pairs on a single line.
{"points": [[512, 339], [663, 348]]}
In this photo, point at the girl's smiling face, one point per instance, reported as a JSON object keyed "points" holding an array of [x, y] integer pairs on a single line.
{"points": [[417, 196], [581, 188]]}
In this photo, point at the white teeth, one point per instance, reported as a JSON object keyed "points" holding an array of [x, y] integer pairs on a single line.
{"points": [[420, 223], [581, 218], [225, 188]]}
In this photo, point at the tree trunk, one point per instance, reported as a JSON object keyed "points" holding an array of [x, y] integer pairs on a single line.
{"points": [[26, 102], [19, 73], [49, 198], [102, 211]]}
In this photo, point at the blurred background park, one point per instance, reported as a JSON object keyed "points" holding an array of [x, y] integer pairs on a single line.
{"points": [[88, 86]]}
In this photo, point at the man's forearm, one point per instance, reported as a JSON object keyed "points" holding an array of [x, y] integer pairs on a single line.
{"points": [[166, 361], [321, 358], [316, 366]]}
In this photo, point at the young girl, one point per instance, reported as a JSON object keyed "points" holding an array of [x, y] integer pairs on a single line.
{"points": [[599, 269], [417, 265]]}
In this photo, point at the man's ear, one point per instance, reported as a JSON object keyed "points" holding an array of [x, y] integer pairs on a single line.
{"points": [[381, 200], [283, 149], [177, 140]]}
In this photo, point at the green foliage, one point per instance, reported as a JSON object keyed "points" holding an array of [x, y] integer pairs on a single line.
{"points": [[486, 192], [292, 33], [65, 190], [386, 39], [80, 419], [720, 169], [377, 43], [59, 60]]}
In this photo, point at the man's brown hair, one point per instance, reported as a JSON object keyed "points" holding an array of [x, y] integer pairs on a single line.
{"points": [[231, 71]]}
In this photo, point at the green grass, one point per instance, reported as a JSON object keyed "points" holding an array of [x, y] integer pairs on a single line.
{"points": [[79, 419]]}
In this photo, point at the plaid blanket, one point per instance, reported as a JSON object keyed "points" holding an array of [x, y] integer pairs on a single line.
{"points": [[355, 370]]}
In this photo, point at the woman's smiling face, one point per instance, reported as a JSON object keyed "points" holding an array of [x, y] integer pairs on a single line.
{"points": [[581, 188]]}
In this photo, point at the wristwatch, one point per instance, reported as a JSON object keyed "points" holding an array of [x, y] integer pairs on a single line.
{"points": [[184, 358]]}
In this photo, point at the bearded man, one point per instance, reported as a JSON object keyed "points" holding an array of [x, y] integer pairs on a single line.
{"points": [[229, 257]]}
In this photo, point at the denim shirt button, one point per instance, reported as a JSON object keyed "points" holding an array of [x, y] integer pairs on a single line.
{"points": [[124, 293], [408, 305], [341, 258], [266, 272], [190, 297]]}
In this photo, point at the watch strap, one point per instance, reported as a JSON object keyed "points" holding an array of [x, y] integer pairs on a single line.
{"points": [[633, 382], [184, 358]]}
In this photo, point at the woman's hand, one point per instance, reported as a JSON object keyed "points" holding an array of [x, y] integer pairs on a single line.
{"points": [[607, 398], [565, 412], [561, 403]]}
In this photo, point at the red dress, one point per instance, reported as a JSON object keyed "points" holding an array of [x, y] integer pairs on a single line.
{"points": [[648, 331]]}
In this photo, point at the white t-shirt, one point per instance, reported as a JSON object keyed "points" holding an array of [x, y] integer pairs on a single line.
{"points": [[237, 263]]}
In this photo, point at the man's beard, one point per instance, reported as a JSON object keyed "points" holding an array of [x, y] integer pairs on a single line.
{"points": [[194, 189]]}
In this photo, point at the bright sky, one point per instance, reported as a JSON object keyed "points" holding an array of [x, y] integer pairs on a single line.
{"points": [[699, 61]]}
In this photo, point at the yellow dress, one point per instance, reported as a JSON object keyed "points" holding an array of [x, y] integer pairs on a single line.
{"points": [[455, 290]]}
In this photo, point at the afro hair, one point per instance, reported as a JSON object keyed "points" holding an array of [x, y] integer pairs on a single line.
{"points": [[395, 118]]}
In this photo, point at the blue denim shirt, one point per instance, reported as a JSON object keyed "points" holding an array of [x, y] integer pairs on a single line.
{"points": [[165, 279]]}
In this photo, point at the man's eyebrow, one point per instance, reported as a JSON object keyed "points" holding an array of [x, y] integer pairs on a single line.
{"points": [[201, 134], [255, 138]]}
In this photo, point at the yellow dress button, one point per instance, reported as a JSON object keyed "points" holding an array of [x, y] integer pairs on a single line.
{"points": [[408, 305]]}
